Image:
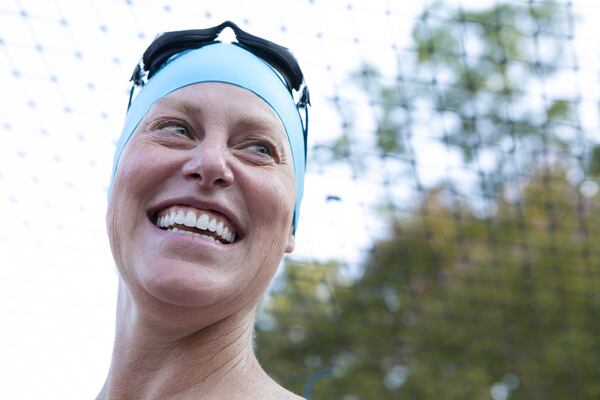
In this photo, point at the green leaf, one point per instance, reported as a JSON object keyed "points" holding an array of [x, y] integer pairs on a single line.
{"points": [[560, 109]]}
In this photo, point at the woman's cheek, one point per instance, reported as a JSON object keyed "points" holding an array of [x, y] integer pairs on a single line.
{"points": [[275, 201]]}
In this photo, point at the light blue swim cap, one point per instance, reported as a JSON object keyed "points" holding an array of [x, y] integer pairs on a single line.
{"points": [[225, 63]]}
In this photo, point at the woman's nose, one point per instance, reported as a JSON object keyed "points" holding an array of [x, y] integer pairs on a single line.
{"points": [[208, 165]]}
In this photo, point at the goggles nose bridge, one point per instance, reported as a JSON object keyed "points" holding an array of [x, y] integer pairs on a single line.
{"points": [[229, 24]]}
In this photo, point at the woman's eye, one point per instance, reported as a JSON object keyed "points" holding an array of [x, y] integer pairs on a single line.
{"points": [[263, 149], [177, 128]]}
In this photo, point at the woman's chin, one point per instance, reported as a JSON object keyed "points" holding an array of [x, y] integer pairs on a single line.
{"points": [[184, 287]]}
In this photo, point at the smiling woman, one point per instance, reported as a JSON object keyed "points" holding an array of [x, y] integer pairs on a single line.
{"points": [[203, 204]]}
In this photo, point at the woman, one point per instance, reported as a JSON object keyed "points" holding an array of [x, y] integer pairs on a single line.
{"points": [[204, 201]]}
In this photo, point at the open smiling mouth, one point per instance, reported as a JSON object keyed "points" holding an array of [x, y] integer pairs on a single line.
{"points": [[197, 223]]}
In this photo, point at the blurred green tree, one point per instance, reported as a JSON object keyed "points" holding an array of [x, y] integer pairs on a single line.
{"points": [[455, 304], [477, 73], [451, 306]]}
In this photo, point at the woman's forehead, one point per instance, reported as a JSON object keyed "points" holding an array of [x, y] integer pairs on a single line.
{"points": [[204, 99]]}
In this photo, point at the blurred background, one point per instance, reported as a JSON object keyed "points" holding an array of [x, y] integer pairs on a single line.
{"points": [[448, 240]]}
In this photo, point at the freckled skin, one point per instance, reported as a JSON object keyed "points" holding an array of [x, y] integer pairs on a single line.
{"points": [[221, 145]]}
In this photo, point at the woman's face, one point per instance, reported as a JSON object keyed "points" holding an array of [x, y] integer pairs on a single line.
{"points": [[202, 203]]}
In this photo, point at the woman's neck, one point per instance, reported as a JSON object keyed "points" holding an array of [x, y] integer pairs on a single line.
{"points": [[213, 363]]}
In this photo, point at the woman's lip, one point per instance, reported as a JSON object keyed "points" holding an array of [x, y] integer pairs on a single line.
{"points": [[191, 219], [169, 235]]}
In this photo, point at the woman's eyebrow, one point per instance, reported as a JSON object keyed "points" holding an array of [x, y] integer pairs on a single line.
{"points": [[259, 122], [181, 105]]}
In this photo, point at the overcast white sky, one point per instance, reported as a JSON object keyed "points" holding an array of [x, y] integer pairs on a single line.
{"points": [[64, 66]]}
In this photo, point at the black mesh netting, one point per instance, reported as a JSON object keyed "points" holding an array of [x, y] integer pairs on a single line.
{"points": [[447, 247]]}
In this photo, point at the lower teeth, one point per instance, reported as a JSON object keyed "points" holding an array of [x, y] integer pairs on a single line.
{"points": [[199, 236]]}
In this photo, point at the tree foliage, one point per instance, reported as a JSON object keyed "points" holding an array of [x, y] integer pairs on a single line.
{"points": [[452, 305], [478, 71], [456, 303]]}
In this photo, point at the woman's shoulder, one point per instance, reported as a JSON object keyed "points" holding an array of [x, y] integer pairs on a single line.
{"points": [[284, 394], [274, 391]]}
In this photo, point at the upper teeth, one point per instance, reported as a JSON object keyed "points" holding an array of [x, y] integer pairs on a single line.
{"points": [[198, 219]]}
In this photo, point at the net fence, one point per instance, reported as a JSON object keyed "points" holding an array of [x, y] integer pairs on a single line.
{"points": [[447, 245]]}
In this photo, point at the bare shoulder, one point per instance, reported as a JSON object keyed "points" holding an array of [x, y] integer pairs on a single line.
{"points": [[284, 394], [274, 391], [270, 389]]}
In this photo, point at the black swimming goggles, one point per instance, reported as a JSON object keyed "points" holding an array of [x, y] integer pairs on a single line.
{"points": [[168, 44]]}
